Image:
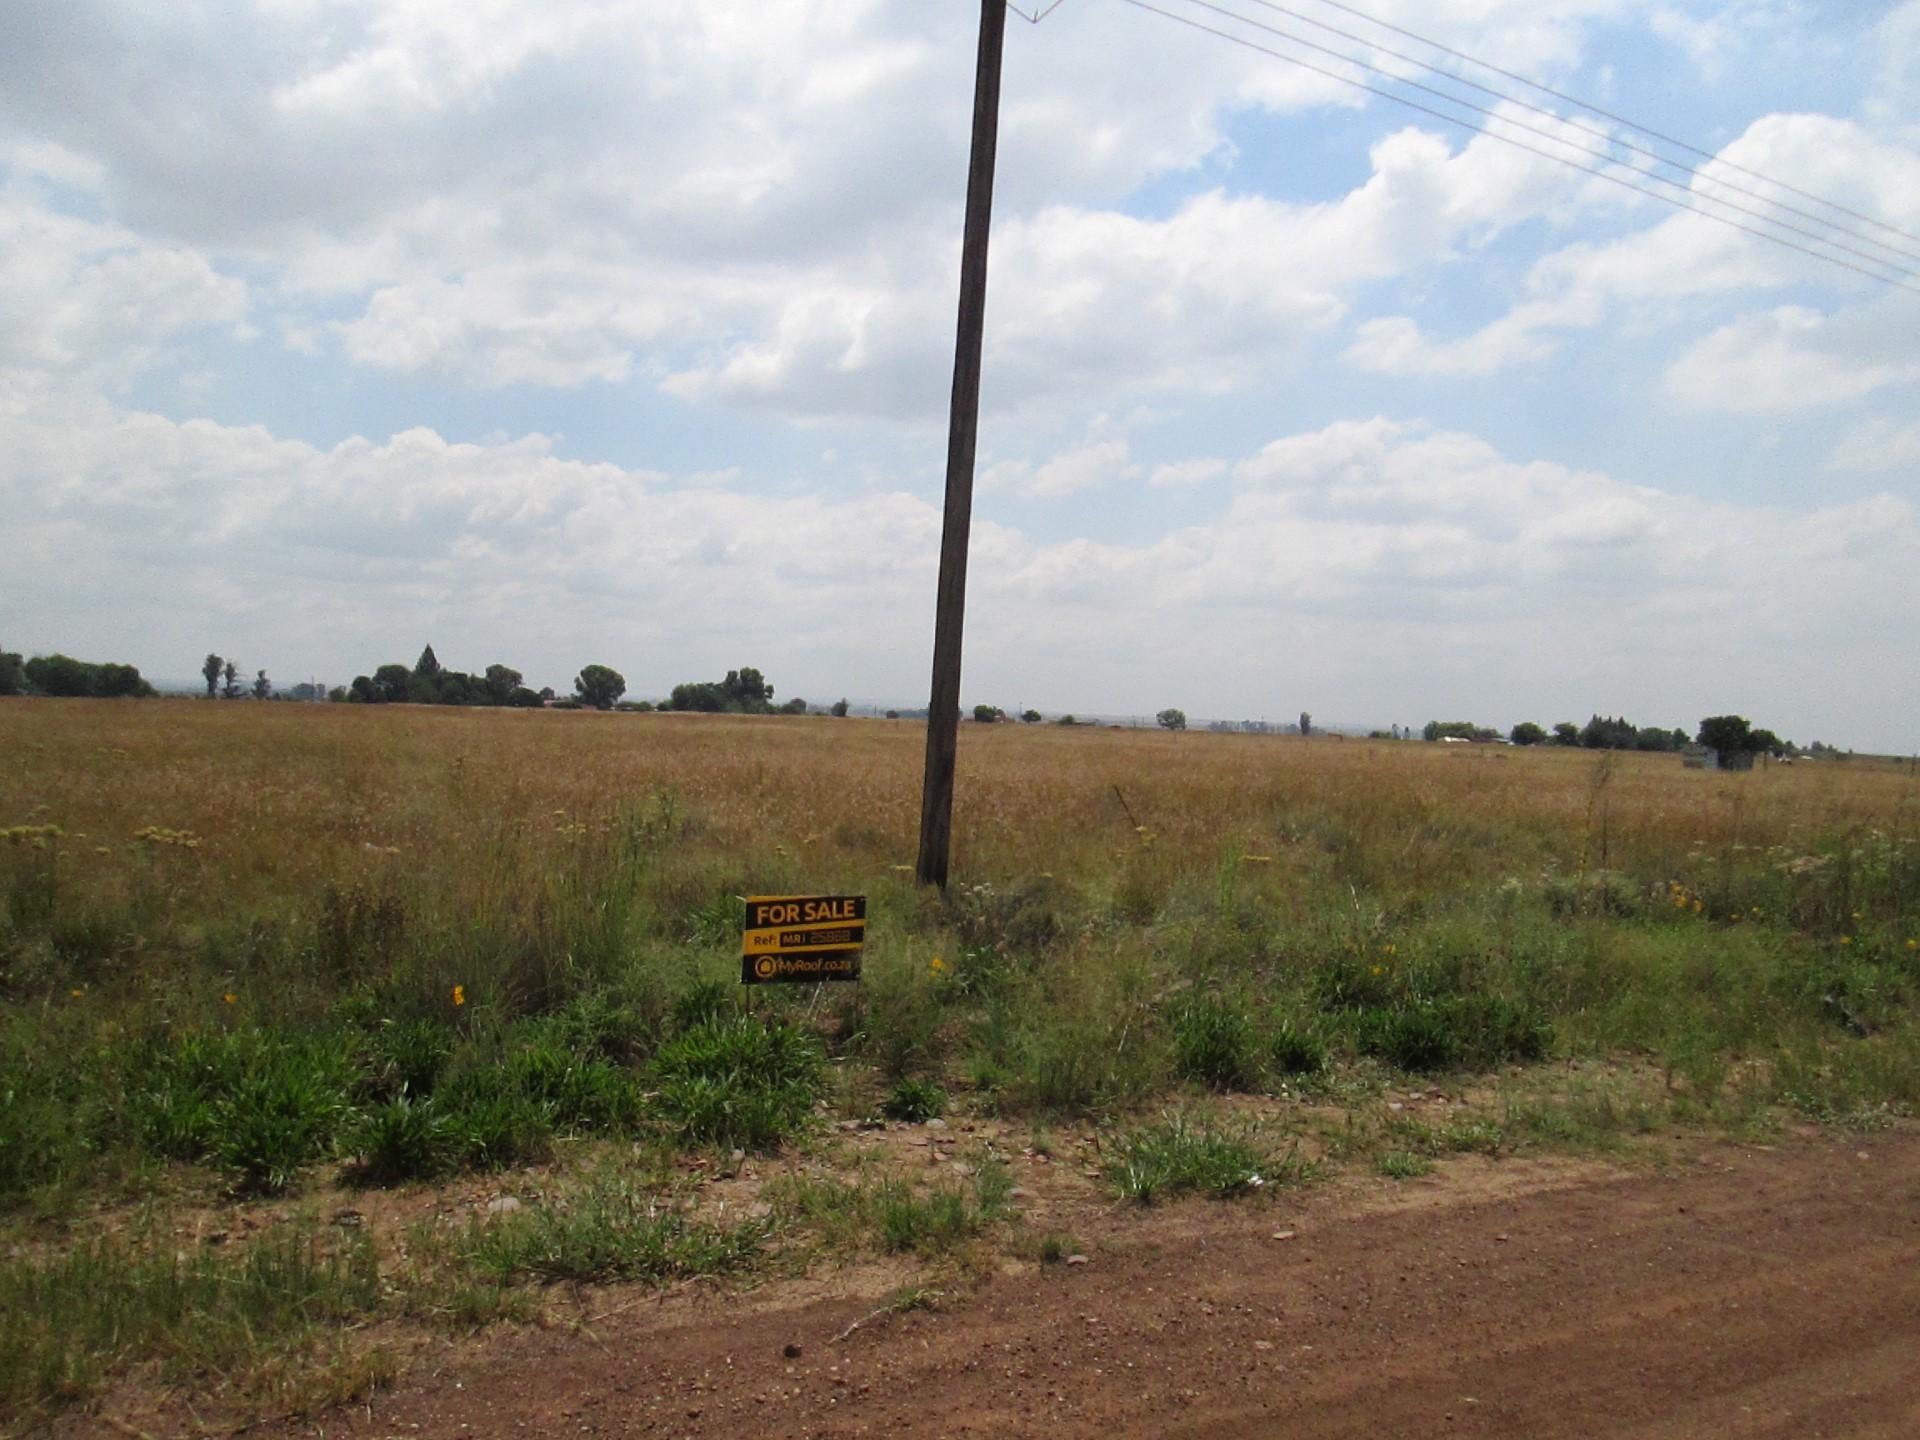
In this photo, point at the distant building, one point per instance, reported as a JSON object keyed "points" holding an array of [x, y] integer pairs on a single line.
{"points": [[1705, 757]]}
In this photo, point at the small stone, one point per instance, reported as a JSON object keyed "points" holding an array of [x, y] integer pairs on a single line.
{"points": [[1285, 1234], [936, 1124], [504, 1205], [738, 1156], [1263, 1344], [791, 1350], [1076, 1259], [1499, 1239]]}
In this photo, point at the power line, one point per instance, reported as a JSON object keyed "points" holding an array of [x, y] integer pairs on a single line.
{"points": [[1611, 176], [1548, 135], [1593, 109], [1693, 170]]}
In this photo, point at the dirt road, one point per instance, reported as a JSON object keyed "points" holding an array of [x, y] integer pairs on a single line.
{"points": [[1748, 1292]]}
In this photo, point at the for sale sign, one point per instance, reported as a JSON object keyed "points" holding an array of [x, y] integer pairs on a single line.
{"points": [[797, 939]]}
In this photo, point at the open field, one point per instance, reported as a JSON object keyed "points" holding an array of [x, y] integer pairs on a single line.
{"points": [[295, 996]]}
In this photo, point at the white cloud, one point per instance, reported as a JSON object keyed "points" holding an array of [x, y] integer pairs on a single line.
{"points": [[1379, 562], [1879, 446], [1395, 345], [1666, 269], [1716, 40], [1180, 474], [81, 295], [1086, 301], [1794, 358], [1894, 101], [759, 199], [1086, 468]]}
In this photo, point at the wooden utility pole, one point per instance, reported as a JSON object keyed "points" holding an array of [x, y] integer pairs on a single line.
{"points": [[963, 424]]}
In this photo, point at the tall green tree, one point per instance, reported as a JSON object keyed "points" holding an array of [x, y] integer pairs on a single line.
{"points": [[210, 667], [229, 681], [1729, 734], [599, 686], [60, 675], [392, 682], [262, 687], [500, 683], [1527, 733], [1172, 719], [13, 673], [115, 682], [747, 689]]}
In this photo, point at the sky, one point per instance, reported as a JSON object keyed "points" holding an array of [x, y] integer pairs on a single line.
{"points": [[557, 332]]}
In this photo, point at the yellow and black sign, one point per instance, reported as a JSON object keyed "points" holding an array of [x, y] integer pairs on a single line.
{"points": [[797, 939]]}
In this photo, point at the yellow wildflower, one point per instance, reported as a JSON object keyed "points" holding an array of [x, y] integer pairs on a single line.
{"points": [[1846, 939], [459, 995], [936, 967], [229, 998]]}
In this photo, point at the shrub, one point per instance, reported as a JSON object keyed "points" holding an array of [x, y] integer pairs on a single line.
{"points": [[279, 1118], [401, 1139], [491, 1124], [914, 1100], [1417, 1038], [1176, 1155], [259, 1103], [1213, 1044], [406, 1057], [738, 1081], [1493, 1029], [1296, 1049], [702, 1001]]}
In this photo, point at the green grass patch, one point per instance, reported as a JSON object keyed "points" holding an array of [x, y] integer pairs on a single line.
{"points": [[1178, 1155], [739, 1081], [608, 1230], [69, 1321]]}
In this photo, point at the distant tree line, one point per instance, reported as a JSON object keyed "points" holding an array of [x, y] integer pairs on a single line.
{"points": [[743, 692], [1728, 734], [62, 675], [428, 682], [224, 683]]}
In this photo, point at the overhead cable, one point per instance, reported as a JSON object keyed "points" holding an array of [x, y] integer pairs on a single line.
{"points": [[1611, 175], [1634, 125], [1690, 168]]}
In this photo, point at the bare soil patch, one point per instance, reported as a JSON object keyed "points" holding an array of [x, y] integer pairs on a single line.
{"points": [[1742, 1291]]}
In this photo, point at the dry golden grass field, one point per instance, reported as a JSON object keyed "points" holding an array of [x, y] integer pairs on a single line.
{"points": [[265, 964]]}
